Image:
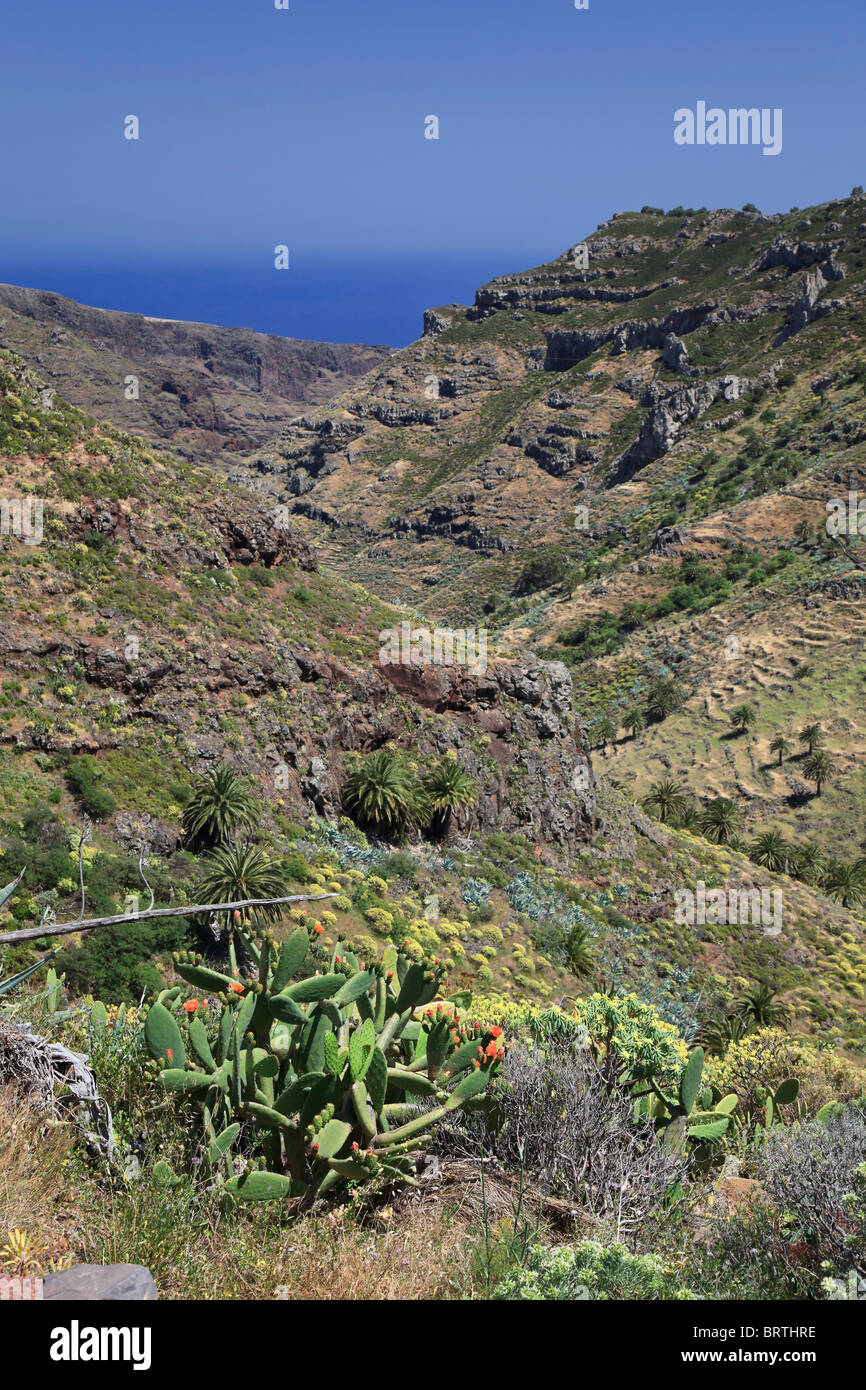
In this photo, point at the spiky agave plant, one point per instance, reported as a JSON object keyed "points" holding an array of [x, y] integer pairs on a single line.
{"points": [[382, 792], [236, 872], [218, 808], [447, 787]]}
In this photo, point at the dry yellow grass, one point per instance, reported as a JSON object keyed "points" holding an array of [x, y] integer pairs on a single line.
{"points": [[33, 1187]]}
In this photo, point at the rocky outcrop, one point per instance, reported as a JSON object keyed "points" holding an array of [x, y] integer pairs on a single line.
{"points": [[783, 251], [807, 306]]}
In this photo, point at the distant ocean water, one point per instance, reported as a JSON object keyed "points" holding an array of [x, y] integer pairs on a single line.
{"points": [[368, 301]]}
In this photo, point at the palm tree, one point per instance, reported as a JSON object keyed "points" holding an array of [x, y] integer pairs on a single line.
{"points": [[382, 793], [720, 820], [759, 1007], [812, 735], [219, 806], [819, 767], [634, 720], [666, 800], [809, 865], [743, 719], [721, 1030], [235, 872], [847, 882], [664, 696], [772, 851], [581, 956], [604, 732], [447, 788], [781, 746]]}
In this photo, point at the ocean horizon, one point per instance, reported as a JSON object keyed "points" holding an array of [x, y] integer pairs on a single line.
{"points": [[379, 300]]}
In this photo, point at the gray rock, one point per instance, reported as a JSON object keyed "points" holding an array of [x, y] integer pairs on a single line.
{"points": [[96, 1283]]}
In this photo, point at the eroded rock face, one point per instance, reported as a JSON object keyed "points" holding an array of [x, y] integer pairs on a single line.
{"points": [[526, 712]]}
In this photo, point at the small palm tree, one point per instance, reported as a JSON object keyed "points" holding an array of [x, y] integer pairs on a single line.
{"points": [[847, 883], [236, 872], [218, 807], [664, 697], [634, 720], [772, 851], [743, 719], [819, 767], [720, 820], [666, 800], [759, 1007], [581, 955], [809, 864], [812, 735], [448, 788], [382, 793], [603, 732], [781, 746], [721, 1030]]}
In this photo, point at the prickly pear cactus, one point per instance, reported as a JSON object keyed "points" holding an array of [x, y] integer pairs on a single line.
{"points": [[339, 1076]]}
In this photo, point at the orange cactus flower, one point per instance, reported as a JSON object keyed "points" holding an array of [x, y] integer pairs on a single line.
{"points": [[496, 1032], [318, 929], [237, 988], [191, 1005]]}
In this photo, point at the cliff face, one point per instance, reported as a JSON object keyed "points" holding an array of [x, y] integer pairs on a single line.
{"points": [[207, 393]]}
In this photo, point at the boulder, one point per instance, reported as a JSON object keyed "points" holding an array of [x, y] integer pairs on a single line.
{"points": [[96, 1283]]}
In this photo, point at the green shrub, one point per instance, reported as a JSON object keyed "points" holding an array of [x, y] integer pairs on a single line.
{"points": [[591, 1271], [84, 779]]}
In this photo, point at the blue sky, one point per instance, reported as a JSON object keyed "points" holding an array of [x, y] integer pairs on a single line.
{"points": [[306, 127]]}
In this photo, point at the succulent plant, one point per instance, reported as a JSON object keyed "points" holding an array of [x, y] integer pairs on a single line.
{"points": [[336, 1076]]}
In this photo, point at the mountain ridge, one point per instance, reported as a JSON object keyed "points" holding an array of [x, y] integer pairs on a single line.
{"points": [[206, 391]]}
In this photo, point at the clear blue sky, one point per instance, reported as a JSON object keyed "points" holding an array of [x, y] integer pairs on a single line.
{"points": [[306, 127]]}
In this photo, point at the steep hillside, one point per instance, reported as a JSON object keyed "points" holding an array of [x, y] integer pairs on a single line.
{"points": [[165, 625], [208, 393], [605, 388]]}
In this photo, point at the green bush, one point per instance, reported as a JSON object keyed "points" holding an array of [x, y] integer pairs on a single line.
{"points": [[84, 779]]}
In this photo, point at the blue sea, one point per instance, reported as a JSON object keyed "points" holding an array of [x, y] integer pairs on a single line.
{"points": [[364, 301]]}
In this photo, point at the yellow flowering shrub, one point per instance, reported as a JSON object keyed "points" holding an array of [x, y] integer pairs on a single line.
{"points": [[761, 1061]]}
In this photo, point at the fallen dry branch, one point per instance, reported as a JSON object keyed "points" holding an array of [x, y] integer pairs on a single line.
{"points": [[9, 938], [35, 1066]]}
